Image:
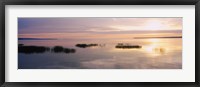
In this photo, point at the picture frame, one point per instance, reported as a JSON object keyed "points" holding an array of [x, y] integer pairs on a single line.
{"points": [[97, 2]]}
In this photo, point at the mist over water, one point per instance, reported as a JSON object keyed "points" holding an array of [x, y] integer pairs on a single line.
{"points": [[155, 53]]}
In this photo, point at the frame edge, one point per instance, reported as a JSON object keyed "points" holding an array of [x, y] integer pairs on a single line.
{"points": [[197, 27], [2, 41]]}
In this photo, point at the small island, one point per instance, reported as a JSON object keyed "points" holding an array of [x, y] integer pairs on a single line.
{"points": [[32, 49], [59, 49], [127, 46], [42, 49], [86, 45]]}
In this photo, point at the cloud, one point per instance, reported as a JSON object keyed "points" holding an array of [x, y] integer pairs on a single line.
{"points": [[96, 25]]}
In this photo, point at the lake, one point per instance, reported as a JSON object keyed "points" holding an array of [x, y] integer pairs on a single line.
{"points": [[155, 53]]}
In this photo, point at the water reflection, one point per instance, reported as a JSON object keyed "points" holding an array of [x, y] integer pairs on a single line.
{"points": [[156, 48], [153, 54], [155, 51], [43, 49], [160, 50]]}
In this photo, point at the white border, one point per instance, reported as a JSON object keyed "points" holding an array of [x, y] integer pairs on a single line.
{"points": [[186, 74]]}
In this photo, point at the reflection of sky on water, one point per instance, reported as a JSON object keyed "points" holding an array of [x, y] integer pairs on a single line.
{"points": [[155, 53]]}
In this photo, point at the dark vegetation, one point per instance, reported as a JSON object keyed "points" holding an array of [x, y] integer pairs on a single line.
{"points": [[32, 49], [59, 49], [86, 45], [66, 50], [20, 45], [127, 46], [42, 49]]}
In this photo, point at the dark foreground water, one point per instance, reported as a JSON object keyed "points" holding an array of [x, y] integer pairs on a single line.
{"points": [[162, 53]]}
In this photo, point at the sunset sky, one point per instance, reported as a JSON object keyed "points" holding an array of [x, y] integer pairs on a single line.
{"points": [[81, 27]]}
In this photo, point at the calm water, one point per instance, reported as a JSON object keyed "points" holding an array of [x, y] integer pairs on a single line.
{"points": [[159, 53]]}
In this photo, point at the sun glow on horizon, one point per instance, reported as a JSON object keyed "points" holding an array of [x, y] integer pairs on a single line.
{"points": [[155, 48], [150, 25]]}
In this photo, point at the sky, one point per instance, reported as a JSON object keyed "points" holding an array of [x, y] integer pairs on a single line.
{"points": [[91, 27]]}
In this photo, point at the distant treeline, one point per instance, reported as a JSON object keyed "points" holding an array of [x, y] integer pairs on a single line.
{"points": [[37, 39], [157, 37]]}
